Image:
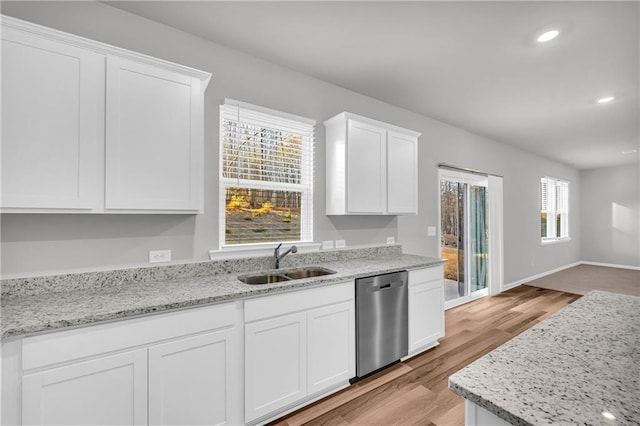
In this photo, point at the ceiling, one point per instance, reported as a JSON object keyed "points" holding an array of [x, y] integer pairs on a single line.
{"points": [[475, 65]]}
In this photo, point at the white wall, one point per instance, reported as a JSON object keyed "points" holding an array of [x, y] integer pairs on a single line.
{"points": [[36, 244], [610, 209]]}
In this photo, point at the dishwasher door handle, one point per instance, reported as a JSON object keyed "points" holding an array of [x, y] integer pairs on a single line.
{"points": [[386, 286]]}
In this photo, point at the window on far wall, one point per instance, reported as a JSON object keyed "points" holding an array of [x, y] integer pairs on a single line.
{"points": [[554, 210], [266, 175]]}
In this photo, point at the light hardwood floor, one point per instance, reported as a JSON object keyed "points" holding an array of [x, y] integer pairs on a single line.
{"points": [[415, 392]]}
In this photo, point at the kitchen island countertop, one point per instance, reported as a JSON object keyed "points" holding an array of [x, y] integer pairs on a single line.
{"points": [[571, 368]]}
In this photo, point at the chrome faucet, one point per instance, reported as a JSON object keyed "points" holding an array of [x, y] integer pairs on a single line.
{"points": [[277, 256]]}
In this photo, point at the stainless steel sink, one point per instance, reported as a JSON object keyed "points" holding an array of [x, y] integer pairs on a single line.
{"points": [[263, 278], [312, 271], [285, 275]]}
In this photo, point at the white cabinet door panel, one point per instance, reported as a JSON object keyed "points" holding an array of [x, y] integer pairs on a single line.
{"points": [[104, 391], [193, 381], [152, 143], [275, 364], [366, 168], [52, 101], [331, 343], [426, 314], [371, 167], [402, 173]]}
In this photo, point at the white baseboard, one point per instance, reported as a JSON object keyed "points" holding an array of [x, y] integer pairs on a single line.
{"points": [[611, 265], [540, 275]]}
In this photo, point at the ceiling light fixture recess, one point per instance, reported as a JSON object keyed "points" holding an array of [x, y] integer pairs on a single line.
{"points": [[547, 36], [605, 99], [628, 151]]}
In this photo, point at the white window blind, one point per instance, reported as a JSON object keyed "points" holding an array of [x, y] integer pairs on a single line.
{"points": [[266, 175], [554, 209]]}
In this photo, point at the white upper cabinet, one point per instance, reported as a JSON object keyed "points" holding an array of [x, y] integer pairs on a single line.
{"points": [[366, 173], [91, 128], [372, 167], [153, 138], [402, 173], [52, 98]]}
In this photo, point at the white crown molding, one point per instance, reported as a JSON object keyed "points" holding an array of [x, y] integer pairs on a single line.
{"points": [[101, 48]]}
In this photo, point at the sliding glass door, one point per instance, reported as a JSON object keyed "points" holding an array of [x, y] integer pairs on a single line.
{"points": [[478, 237], [464, 235]]}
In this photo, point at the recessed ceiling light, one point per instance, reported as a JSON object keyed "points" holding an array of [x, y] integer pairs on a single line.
{"points": [[607, 415], [605, 99], [629, 151], [549, 35]]}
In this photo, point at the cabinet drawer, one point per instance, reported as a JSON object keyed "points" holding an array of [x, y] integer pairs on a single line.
{"points": [[64, 346], [423, 275], [305, 299]]}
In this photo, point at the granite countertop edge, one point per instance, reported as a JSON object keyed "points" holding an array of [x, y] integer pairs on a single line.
{"points": [[26, 315], [566, 369], [488, 405]]}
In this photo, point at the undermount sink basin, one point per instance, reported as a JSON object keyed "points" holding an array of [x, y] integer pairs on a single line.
{"points": [[285, 275], [263, 278], [313, 271]]}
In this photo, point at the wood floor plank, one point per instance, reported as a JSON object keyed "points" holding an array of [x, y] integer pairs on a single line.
{"points": [[336, 400], [416, 390]]}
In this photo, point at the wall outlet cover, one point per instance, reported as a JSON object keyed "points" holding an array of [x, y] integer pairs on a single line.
{"points": [[340, 244], [431, 231], [157, 256], [327, 245], [391, 240]]}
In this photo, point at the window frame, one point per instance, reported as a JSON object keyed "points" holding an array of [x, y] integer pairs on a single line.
{"points": [[305, 187], [553, 210]]}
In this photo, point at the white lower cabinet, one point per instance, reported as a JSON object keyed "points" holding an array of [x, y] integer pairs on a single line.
{"points": [[275, 365], [109, 390], [331, 343], [298, 346], [176, 368], [193, 381], [186, 367], [426, 308]]}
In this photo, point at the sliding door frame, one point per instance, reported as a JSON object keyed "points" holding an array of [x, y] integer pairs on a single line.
{"points": [[470, 179]]}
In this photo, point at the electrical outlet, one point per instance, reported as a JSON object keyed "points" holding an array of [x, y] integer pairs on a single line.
{"points": [[391, 240], [431, 231], [157, 256], [340, 244], [327, 245]]}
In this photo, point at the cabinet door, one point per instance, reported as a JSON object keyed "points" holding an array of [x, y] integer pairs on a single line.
{"points": [[426, 314], [194, 381], [153, 138], [52, 101], [104, 391], [402, 173], [331, 341], [275, 364], [366, 169]]}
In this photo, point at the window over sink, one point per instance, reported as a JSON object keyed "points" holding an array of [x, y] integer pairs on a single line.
{"points": [[266, 176]]}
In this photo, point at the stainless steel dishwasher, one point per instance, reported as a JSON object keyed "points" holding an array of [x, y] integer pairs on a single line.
{"points": [[381, 321]]}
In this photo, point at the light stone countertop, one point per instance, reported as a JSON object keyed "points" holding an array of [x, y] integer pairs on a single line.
{"points": [[30, 313], [567, 370]]}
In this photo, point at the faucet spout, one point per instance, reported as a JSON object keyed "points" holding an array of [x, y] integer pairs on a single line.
{"points": [[277, 256]]}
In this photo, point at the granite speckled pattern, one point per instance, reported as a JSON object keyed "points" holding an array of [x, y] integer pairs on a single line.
{"points": [[106, 279], [42, 311], [566, 370]]}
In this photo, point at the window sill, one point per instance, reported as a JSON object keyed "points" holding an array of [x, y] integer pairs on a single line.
{"points": [[555, 241], [261, 249]]}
